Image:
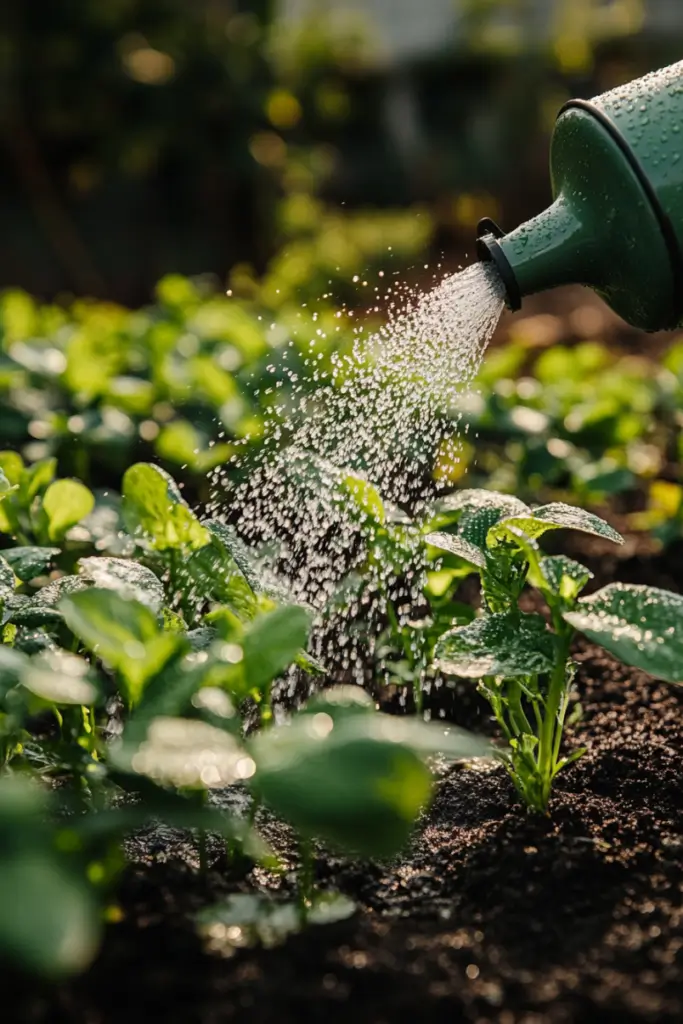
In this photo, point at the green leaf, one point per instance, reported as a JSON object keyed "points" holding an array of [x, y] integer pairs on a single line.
{"points": [[130, 579], [189, 754], [457, 545], [29, 562], [472, 499], [12, 467], [49, 921], [364, 497], [123, 633], [154, 509], [64, 504], [60, 678], [642, 626], [351, 784], [563, 576], [554, 517], [36, 479], [272, 642], [6, 580], [340, 701], [509, 644]]}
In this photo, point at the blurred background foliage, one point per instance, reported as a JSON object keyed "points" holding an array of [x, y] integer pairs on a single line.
{"points": [[158, 154], [141, 137]]}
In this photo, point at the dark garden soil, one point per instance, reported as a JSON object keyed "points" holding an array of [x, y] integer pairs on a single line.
{"points": [[493, 916]]}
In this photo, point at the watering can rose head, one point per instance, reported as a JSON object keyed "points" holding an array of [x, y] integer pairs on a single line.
{"points": [[617, 220]]}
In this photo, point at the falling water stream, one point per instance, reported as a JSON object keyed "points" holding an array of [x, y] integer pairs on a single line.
{"points": [[384, 412]]}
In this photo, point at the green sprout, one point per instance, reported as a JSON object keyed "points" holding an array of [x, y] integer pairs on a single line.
{"points": [[522, 661]]}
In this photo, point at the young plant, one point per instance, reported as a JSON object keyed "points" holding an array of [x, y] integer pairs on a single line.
{"points": [[523, 665]]}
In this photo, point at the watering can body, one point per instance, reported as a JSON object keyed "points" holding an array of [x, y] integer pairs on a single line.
{"points": [[616, 224]]}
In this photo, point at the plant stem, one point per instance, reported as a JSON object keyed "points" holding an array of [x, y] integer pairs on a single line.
{"points": [[551, 732]]}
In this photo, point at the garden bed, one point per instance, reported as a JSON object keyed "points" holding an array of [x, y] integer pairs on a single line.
{"points": [[492, 915]]}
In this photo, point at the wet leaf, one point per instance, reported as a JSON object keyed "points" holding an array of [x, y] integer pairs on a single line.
{"points": [[473, 499], [130, 579], [155, 511], [65, 503], [563, 576], [272, 642], [554, 517], [353, 784], [340, 701], [123, 633], [60, 678], [508, 644], [457, 545], [364, 497], [190, 754], [29, 562], [49, 921], [6, 580], [643, 626]]}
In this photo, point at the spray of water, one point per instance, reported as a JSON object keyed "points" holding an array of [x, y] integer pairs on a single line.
{"points": [[382, 413]]}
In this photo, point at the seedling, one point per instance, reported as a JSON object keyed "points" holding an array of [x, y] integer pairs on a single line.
{"points": [[521, 661]]}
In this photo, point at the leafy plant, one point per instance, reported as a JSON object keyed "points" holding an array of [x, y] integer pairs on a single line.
{"points": [[521, 661]]}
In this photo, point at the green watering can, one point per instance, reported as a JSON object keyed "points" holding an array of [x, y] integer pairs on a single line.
{"points": [[616, 165]]}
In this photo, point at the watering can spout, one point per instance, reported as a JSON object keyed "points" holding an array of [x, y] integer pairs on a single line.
{"points": [[616, 223]]}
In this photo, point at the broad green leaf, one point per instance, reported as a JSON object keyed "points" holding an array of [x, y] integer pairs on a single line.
{"points": [[457, 545], [154, 509], [64, 504], [5, 485], [190, 754], [29, 562], [12, 467], [49, 921], [36, 479], [563, 576], [130, 579], [236, 547], [60, 678], [123, 633], [554, 517], [6, 580], [364, 497], [352, 784], [642, 626], [272, 642], [340, 701], [475, 523], [472, 499], [509, 644]]}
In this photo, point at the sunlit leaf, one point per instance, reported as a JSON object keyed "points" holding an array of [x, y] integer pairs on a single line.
{"points": [[509, 644], [60, 678], [642, 626], [29, 562], [456, 545], [130, 579], [554, 517], [272, 642], [155, 511], [350, 784], [364, 497], [123, 633], [563, 576], [49, 921], [64, 504], [190, 754]]}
